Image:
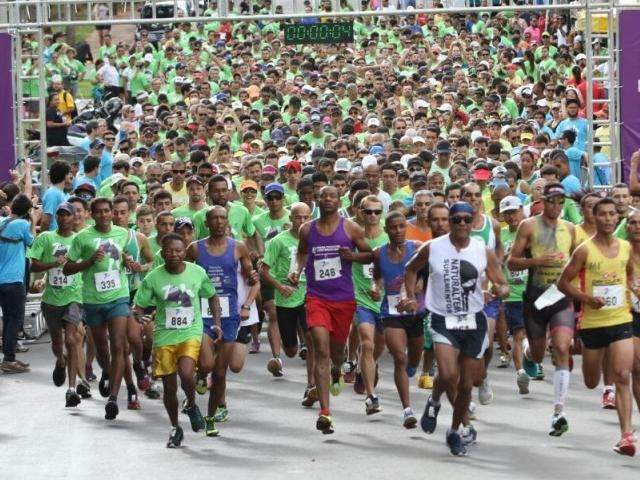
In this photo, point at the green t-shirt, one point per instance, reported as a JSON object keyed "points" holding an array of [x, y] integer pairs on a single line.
{"points": [[268, 227], [239, 222], [400, 194], [363, 277], [106, 280], [60, 290], [280, 255], [517, 280], [153, 243], [184, 211], [177, 301], [621, 230]]}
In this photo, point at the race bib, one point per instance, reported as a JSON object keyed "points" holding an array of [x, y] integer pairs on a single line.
{"points": [[367, 270], [58, 279], [293, 263], [461, 322], [518, 277], [204, 308], [392, 301], [327, 269], [107, 281], [224, 307], [178, 317], [613, 295]]}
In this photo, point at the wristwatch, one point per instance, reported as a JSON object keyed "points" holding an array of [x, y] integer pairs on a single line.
{"points": [[245, 307]]}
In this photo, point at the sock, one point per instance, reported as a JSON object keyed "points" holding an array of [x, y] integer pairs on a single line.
{"points": [[560, 388], [609, 388], [325, 412], [131, 389], [525, 348], [435, 403]]}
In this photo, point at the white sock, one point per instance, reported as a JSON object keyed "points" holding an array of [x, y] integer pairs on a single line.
{"points": [[609, 388], [560, 388]]}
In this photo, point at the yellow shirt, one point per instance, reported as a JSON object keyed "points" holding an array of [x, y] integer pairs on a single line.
{"points": [[547, 239], [179, 197], [66, 105], [607, 278], [581, 235]]}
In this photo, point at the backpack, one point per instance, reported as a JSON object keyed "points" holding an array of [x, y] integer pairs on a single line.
{"points": [[7, 239]]}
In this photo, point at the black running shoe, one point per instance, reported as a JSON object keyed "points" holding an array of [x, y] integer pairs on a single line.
{"points": [[111, 410], [59, 375], [72, 398], [195, 417], [175, 437], [325, 424], [83, 389], [104, 386], [429, 418]]}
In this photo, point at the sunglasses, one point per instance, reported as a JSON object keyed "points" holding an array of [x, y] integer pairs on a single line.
{"points": [[273, 197], [458, 219], [178, 171], [471, 194], [368, 211]]}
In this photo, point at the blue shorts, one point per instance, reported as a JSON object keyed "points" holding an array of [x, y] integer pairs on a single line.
{"points": [[492, 309], [369, 317], [230, 327], [97, 314], [514, 315]]}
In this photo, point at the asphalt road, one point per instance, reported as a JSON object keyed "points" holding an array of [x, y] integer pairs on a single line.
{"points": [[269, 435]]}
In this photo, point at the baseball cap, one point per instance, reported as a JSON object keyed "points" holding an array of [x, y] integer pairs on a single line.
{"points": [[86, 187], [342, 165], [418, 139], [248, 184], [376, 150], [420, 103], [482, 174], [553, 190], [195, 179], [373, 122], [66, 207], [294, 165], [97, 143], [368, 160], [316, 119], [510, 203], [273, 187], [445, 107], [443, 147], [499, 171], [580, 56], [418, 177], [269, 170], [182, 222]]}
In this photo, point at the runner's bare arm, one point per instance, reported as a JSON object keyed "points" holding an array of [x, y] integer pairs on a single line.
{"points": [[356, 233], [495, 275], [419, 260], [571, 271], [192, 253], [74, 267], [242, 253], [301, 255], [214, 306], [145, 251], [496, 231]]}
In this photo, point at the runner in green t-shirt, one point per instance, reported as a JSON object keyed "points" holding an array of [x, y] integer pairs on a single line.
{"points": [[61, 303], [278, 262], [98, 252], [175, 289], [195, 190]]}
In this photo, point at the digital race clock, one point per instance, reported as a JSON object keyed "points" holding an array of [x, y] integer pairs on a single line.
{"points": [[301, 33]]}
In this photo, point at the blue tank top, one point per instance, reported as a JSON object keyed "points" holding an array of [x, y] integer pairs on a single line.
{"points": [[222, 270], [328, 275], [393, 276]]}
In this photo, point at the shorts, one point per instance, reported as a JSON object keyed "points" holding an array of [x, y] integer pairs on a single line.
{"points": [[336, 317], [411, 324], [288, 321], [165, 357], [230, 327], [471, 343], [514, 316], [602, 337], [97, 314], [364, 316], [428, 339], [636, 324], [492, 309], [56, 316], [244, 335], [267, 293], [558, 315]]}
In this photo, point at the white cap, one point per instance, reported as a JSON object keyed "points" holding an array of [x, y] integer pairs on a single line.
{"points": [[542, 102], [580, 56], [373, 122], [420, 103], [342, 165], [56, 79], [369, 160], [445, 107], [510, 203], [418, 139], [283, 160], [148, 57], [499, 171]]}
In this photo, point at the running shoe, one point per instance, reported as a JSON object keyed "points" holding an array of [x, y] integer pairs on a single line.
{"points": [[132, 401], [454, 442], [111, 409], [310, 396], [222, 414], [559, 425], [14, 367], [175, 437], [409, 419], [530, 367], [195, 417], [429, 418], [337, 382], [485, 394], [325, 424], [358, 384], [103, 386], [540, 375], [349, 369], [522, 380], [72, 398], [425, 381], [626, 445], [372, 405], [472, 411], [411, 371], [142, 376], [505, 360], [254, 348], [275, 367], [153, 392], [303, 352], [20, 347], [88, 373], [469, 435], [201, 384], [59, 374], [83, 389], [210, 429], [609, 400]]}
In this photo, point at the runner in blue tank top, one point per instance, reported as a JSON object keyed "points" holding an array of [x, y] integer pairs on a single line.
{"points": [[326, 250], [403, 332], [219, 255]]}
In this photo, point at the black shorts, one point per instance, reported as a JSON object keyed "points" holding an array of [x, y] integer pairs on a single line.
{"points": [[244, 335], [595, 338], [471, 343], [267, 293], [289, 319], [536, 322], [513, 314], [636, 324], [411, 324]]}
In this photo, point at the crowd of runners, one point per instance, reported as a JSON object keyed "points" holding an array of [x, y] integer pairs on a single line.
{"points": [[421, 191]]}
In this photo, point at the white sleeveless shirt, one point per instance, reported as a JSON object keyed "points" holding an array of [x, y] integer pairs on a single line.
{"points": [[455, 286]]}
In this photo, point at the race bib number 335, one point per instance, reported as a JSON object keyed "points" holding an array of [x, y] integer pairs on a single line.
{"points": [[107, 281]]}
